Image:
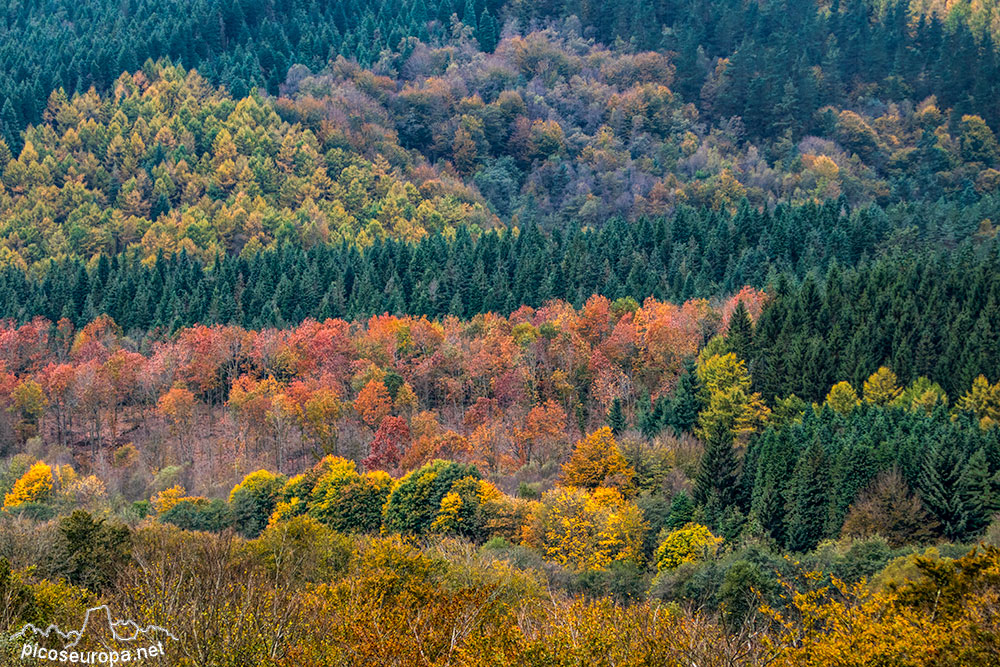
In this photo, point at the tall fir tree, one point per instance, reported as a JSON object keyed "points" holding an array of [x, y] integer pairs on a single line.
{"points": [[616, 417], [809, 499], [718, 471]]}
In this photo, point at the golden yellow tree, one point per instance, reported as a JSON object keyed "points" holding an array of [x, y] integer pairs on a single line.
{"points": [[168, 498], [687, 544], [597, 461], [983, 400], [882, 387], [586, 531], [33, 486], [842, 398]]}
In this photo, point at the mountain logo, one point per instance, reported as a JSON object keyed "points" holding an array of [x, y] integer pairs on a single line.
{"points": [[99, 628]]}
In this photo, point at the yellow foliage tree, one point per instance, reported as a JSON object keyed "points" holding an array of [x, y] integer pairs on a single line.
{"points": [[586, 531], [922, 394], [29, 399], [449, 516], [318, 418], [344, 499], [983, 400], [882, 387], [34, 486], [167, 498], [726, 389], [842, 398], [946, 616], [597, 461], [720, 372], [851, 625], [732, 407], [689, 543]]}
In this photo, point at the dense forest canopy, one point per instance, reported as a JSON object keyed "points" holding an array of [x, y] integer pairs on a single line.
{"points": [[491, 332]]}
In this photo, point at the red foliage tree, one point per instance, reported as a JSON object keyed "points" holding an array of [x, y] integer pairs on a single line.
{"points": [[391, 440]]}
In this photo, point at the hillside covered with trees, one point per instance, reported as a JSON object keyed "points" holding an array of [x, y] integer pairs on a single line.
{"points": [[408, 332]]}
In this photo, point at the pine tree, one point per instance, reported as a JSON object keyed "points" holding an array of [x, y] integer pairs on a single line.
{"points": [[10, 126], [938, 488], [770, 455], [718, 471], [489, 32], [739, 338], [616, 417], [686, 402], [469, 15], [809, 499], [681, 510], [645, 418], [976, 494]]}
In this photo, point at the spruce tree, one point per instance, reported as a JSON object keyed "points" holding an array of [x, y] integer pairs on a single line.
{"points": [[616, 417], [739, 338], [771, 453], [489, 32], [718, 471], [809, 498], [938, 485], [681, 510], [976, 495], [686, 402]]}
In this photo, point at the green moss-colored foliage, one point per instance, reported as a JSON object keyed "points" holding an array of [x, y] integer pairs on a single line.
{"points": [[91, 551], [213, 515], [415, 502], [348, 501], [253, 500]]}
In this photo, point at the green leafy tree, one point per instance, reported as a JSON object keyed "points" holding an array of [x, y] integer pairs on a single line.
{"points": [[91, 552], [252, 501], [415, 502], [211, 515], [348, 501]]}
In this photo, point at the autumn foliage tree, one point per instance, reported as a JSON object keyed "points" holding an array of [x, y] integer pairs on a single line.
{"points": [[253, 500], [177, 407], [587, 530], [32, 487], [596, 461], [29, 402], [344, 499], [391, 439], [881, 387], [842, 398], [889, 509], [415, 502], [373, 403], [689, 543]]}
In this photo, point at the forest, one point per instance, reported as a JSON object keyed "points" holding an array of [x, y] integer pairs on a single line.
{"points": [[492, 332]]}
